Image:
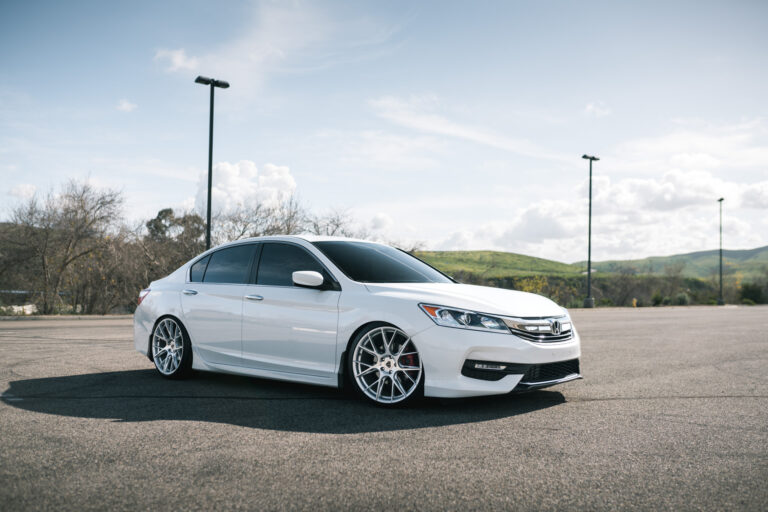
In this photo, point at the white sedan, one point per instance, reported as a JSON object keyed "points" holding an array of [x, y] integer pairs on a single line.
{"points": [[336, 311]]}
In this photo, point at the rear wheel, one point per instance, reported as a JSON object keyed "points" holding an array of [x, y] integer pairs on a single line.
{"points": [[171, 350], [385, 366]]}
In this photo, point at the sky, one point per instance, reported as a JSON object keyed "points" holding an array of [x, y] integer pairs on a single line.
{"points": [[459, 125]]}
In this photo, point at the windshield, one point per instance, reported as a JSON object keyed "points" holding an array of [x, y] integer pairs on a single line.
{"points": [[375, 263]]}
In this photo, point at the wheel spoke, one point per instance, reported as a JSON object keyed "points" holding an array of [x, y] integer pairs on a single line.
{"points": [[372, 384], [399, 386], [373, 346], [411, 378], [391, 340], [383, 334], [167, 334], [366, 372]]}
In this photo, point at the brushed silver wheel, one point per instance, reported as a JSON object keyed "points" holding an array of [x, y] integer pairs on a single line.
{"points": [[386, 365], [168, 347]]}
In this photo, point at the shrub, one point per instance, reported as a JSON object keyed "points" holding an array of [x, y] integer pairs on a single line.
{"points": [[574, 303], [657, 299], [748, 302], [752, 292], [666, 301], [681, 299]]}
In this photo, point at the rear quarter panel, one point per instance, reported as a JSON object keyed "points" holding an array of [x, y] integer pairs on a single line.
{"points": [[163, 299]]}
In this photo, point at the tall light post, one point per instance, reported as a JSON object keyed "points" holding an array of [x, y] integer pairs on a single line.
{"points": [[213, 83], [720, 300], [589, 302]]}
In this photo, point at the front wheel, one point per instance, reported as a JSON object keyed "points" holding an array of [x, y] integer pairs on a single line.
{"points": [[171, 349], [385, 366]]}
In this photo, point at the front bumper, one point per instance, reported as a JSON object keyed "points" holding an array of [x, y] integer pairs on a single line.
{"points": [[444, 352]]}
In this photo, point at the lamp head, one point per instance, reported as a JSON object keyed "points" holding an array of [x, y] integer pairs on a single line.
{"points": [[203, 80]]}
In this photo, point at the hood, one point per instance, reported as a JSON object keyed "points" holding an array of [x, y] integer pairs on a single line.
{"points": [[483, 299]]}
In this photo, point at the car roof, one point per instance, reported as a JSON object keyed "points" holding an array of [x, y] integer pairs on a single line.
{"points": [[306, 237]]}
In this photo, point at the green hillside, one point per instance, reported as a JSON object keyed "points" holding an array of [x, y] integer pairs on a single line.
{"points": [[491, 264], [750, 263]]}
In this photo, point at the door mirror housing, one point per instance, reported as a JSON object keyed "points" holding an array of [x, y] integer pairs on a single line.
{"points": [[308, 279]]}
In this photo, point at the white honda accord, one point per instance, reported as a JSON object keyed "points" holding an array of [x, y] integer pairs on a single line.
{"points": [[337, 311]]}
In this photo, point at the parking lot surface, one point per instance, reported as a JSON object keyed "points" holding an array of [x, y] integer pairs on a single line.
{"points": [[672, 414]]}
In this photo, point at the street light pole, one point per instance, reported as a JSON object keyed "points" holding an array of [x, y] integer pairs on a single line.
{"points": [[213, 83], [589, 302], [720, 299]]}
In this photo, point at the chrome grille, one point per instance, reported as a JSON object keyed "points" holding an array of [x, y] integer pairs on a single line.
{"points": [[541, 330]]}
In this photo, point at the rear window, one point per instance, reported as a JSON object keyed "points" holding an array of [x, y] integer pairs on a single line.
{"points": [[197, 270], [375, 263], [230, 265]]}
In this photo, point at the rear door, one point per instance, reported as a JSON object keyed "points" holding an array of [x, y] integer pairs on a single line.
{"points": [[287, 328], [213, 303]]}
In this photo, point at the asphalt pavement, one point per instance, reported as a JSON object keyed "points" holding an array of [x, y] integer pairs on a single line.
{"points": [[672, 414]]}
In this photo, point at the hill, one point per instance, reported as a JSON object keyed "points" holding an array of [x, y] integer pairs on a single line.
{"points": [[494, 264], [749, 264]]}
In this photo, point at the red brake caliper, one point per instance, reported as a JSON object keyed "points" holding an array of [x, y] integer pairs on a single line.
{"points": [[408, 360]]}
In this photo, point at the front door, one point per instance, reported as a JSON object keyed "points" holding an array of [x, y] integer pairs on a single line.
{"points": [[287, 328]]}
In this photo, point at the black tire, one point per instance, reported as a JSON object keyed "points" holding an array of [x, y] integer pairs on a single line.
{"points": [[395, 371], [169, 338]]}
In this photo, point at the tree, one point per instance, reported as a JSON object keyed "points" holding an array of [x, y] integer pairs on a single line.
{"points": [[170, 241], [62, 230]]}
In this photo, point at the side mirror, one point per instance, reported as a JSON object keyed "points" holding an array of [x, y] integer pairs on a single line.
{"points": [[308, 278]]}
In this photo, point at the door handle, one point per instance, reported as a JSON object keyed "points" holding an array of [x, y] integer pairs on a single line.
{"points": [[189, 292], [254, 297]]}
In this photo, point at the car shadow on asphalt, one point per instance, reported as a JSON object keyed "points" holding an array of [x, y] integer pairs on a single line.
{"points": [[142, 395]]}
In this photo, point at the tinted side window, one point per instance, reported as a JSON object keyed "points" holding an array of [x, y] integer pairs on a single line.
{"points": [[280, 261], [198, 269], [230, 265]]}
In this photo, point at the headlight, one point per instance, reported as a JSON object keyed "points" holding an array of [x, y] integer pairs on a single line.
{"points": [[463, 319]]}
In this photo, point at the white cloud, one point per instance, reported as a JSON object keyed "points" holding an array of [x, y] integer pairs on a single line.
{"points": [[546, 220], [176, 60], [125, 106], [697, 146], [458, 241], [756, 196], [284, 37], [243, 184], [381, 222], [387, 151], [23, 191], [418, 114], [597, 109], [674, 190], [631, 218]]}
